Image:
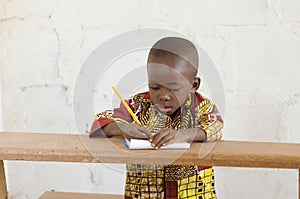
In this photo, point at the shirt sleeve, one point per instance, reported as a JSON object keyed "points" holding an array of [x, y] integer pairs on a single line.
{"points": [[104, 118], [209, 119]]}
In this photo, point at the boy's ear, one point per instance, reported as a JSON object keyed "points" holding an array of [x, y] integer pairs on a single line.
{"points": [[196, 83]]}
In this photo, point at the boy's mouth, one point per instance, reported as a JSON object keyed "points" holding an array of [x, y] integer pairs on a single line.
{"points": [[164, 109]]}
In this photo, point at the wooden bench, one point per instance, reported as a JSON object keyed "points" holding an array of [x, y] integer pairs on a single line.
{"points": [[80, 148], [65, 195]]}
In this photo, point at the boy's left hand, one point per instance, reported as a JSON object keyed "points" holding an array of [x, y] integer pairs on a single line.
{"points": [[164, 137]]}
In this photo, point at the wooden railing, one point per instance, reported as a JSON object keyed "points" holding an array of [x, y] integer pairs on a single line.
{"points": [[80, 148]]}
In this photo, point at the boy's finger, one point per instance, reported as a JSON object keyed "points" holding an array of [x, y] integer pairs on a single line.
{"points": [[164, 141], [154, 139], [158, 137]]}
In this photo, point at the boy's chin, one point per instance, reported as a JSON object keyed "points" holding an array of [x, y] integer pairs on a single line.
{"points": [[172, 112], [167, 110]]}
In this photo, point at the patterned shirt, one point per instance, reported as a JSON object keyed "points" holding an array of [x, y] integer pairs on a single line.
{"points": [[167, 181]]}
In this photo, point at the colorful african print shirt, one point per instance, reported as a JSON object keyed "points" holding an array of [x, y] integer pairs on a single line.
{"points": [[168, 181]]}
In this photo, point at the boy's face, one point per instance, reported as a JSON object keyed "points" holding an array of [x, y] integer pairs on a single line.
{"points": [[169, 84]]}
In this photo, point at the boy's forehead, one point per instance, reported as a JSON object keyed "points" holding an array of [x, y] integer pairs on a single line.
{"points": [[167, 63], [171, 62], [164, 73], [161, 68]]}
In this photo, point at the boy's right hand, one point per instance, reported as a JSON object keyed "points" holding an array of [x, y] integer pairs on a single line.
{"points": [[133, 130]]}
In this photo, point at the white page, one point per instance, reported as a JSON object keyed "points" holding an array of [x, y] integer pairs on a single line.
{"points": [[145, 144]]}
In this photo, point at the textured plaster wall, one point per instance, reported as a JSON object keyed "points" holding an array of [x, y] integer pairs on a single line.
{"points": [[254, 44]]}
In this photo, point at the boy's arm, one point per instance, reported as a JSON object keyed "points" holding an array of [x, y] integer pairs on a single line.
{"points": [[209, 125], [108, 118], [209, 120], [168, 136], [128, 130], [111, 129], [118, 122], [191, 135]]}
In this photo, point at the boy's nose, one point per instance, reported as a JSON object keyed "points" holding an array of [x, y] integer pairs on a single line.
{"points": [[165, 97]]}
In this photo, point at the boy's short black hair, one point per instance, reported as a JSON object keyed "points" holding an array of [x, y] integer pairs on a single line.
{"points": [[178, 47]]}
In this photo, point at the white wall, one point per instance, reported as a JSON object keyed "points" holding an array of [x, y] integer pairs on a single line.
{"points": [[254, 44]]}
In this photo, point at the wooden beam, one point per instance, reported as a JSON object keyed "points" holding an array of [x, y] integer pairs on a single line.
{"points": [[81, 148], [65, 195], [299, 183], [3, 189]]}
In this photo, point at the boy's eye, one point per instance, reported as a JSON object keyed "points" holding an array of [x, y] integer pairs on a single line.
{"points": [[174, 89], [154, 88]]}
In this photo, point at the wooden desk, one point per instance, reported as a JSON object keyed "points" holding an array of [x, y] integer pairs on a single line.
{"points": [[80, 148]]}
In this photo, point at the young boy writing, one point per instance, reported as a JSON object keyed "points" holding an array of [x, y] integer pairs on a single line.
{"points": [[173, 111]]}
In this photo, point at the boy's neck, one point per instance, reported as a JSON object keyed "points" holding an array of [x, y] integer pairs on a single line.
{"points": [[173, 115], [179, 110]]}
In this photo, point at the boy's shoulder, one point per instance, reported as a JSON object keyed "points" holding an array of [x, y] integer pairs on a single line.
{"points": [[140, 99], [199, 98], [202, 102], [142, 96]]}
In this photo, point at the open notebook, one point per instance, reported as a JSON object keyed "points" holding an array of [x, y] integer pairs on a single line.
{"points": [[145, 144]]}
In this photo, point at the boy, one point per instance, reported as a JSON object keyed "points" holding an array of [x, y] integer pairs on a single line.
{"points": [[174, 112]]}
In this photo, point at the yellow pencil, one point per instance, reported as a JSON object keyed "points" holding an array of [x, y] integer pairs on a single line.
{"points": [[126, 106]]}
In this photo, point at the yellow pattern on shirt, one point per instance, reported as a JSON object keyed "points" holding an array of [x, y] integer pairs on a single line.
{"points": [[200, 186]]}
